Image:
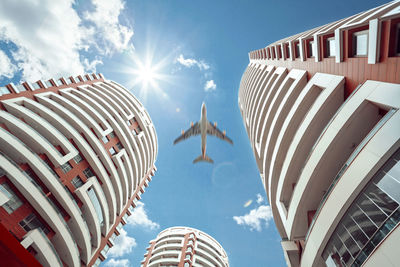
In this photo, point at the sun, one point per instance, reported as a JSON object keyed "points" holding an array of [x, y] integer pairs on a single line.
{"points": [[146, 74]]}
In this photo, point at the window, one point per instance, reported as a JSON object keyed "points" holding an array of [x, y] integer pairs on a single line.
{"points": [[188, 257], [310, 47], [13, 202], [20, 88], [78, 158], [330, 47], [4, 90], [96, 204], [31, 222], [105, 249], [360, 43], [85, 78], [105, 139], [66, 167], [119, 146], [49, 84], [77, 80], [59, 82], [112, 151], [373, 214], [112, 135], [297, 50], [77, 182], [36, 86], [69, 80], [398, 39], [88, 172]]}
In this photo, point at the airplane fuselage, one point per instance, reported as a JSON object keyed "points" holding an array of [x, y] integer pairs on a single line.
{"points": [[203, 129]]}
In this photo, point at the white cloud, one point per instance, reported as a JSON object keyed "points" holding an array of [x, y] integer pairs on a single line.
{"points": [[210, 86], [260, 199], [50, 37], [118, 263], [189, 62], [139, 218], [123, 244], [105, 17], [256, 218], [7, 69]]}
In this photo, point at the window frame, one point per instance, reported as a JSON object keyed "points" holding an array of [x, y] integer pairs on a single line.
{"points": [[354, 42]]}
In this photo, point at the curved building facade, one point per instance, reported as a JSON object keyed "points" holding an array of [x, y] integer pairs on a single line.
{"points": [[321, 109], [185, 247], [75, 155]]}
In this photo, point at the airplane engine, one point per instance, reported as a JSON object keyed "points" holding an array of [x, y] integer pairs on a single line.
{"points": [[183, 132], [215, 124], [224, 132], [191, 124]]}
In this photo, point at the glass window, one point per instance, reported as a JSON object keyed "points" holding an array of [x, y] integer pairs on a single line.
{"points": [[119, 146], [49, 84], [77, 182], [370, 218], [4, 90], [310, 49], [77, 80], [13, 202], [105, 139], [111, 135], [36, 86], [330, 47], [78, 158], [66, 167], [69, 80], [297, 50], [88, 172], [97, 262], [31, 222], [96, 204], [398, 39], [360, 43], [112, 151]]}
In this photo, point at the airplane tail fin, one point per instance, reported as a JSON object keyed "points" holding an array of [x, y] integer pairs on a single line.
{"points": [[200, 158]]}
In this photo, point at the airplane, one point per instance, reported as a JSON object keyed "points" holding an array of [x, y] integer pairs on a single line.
{"points": [[203, 127]]}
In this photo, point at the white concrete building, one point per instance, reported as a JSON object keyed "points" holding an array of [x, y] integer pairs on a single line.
{"points": [[184, 247], [321, 109]]}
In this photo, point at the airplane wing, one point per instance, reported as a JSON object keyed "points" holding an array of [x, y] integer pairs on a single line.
{"points": [[192, 131], [213, 130]]}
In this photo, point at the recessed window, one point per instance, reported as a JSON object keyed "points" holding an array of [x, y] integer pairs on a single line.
{"points": [[112, 135], [119, 146], [13, 202], [297, 50], [330, 47], [4, 90], [77, 182], [20, 88], [112, 151], [49, 84], [360, 43], [78, 158], [105, 139], [31, 222], [59, 82], [96, 203], [77, 80], [88, 173], [66, 167], [310, 46], [36, 86], [398, 39]]}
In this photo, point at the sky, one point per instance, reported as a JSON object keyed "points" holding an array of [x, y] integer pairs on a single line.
{"points": [[173, 55]]}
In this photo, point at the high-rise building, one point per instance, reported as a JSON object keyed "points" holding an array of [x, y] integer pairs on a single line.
{"points": [[184, 247], [321, 109], [75, 155]]}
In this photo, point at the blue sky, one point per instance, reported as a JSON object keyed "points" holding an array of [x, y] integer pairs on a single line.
{"points": [[192, 43]]}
